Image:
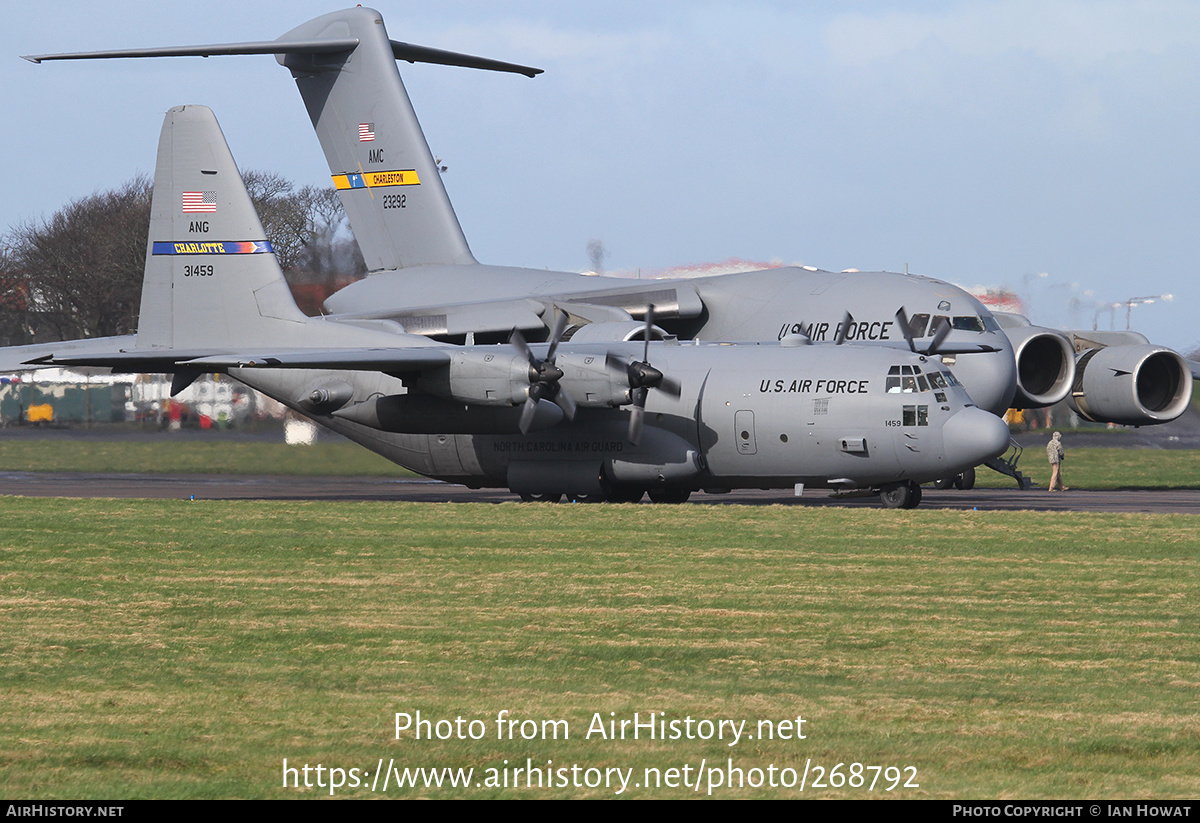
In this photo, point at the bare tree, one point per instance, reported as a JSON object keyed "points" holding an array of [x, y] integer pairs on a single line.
{"points": [[284, 215], [83, 265], [78, 273]]}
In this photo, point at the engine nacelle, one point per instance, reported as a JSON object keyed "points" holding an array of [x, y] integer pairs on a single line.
{"points": [[613, 332], [1131, 385], [1045, 366], [481, 378], [591, 382]]}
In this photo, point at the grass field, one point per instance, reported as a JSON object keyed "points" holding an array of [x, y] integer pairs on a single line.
{"points": [[1097, 468], [175, 649]]}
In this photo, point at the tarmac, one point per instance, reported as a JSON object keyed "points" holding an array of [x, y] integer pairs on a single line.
{"points": [[247, 487], [1183, 433]]}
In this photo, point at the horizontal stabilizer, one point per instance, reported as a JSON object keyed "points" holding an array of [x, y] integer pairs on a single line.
{"points": [[146, 361], [408, 52], [423, 54], [45, 355], [325, 46]]}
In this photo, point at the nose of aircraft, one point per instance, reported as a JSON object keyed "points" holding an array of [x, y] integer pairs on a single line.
{"points": [[990, 379], [972, 436]]}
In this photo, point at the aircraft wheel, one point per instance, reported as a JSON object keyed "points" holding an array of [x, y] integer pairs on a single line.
{"points": [[540, 498], [901, 496], [965, 481], [945, 483], [585, 498], [669, 495]]}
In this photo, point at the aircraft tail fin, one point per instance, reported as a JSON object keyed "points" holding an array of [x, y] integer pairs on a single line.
{"points": [[211, 277], [380, 161], [345, 67]]}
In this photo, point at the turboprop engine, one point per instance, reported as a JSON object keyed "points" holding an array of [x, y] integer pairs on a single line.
{"points": [[1131, 385]]}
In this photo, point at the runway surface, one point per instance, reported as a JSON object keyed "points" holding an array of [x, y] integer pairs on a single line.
{"points": [[230, 487], [1183, 433]]}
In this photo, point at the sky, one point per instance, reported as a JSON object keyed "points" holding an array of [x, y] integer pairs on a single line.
{"points": [[1046, 146]]}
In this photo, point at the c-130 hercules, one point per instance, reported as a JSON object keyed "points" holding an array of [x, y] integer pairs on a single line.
{"points": [[542, 420]]}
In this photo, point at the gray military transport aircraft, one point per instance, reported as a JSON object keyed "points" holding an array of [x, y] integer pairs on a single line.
{"points": [[421, 268], [608, 419]]}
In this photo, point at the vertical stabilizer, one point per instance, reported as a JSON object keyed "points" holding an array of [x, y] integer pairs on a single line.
{"points": [[345, 67], [377, 153], [211, 279]]}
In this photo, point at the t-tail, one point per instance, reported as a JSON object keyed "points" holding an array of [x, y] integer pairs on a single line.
{"points": [[344, 64]]}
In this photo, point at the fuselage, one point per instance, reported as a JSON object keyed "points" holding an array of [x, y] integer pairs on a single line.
{"points": [[749, 415], [762, 305]]}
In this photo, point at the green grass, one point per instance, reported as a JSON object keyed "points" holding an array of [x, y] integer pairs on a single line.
{"points": [[176, 649], [1104, 468]]}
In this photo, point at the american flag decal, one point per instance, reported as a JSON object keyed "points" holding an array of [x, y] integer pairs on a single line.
{"points": [[195, 202], [366, 132]]}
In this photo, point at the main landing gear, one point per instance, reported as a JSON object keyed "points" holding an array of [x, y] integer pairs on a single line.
{"points": [[906, 495], [963, 482]]}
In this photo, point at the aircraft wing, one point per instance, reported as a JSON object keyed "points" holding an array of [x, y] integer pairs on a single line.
{"points": [[359, 359], [425, 309]]}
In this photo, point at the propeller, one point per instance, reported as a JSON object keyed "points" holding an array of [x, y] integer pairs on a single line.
{"points": [[941, 330], [906, 329], [939, 336], [843, 329], [543, 375], [642, 377]]}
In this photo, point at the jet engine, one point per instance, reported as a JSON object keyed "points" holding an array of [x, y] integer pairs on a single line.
{"points": [[1045, 366], [614, 332], [1132, 385]]}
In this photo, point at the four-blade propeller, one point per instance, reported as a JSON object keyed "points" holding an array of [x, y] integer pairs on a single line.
{"points": [[941, 329], [544, 375], [642, 377]]}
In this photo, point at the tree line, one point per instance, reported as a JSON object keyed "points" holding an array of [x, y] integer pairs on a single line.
{"points": [[78, 272]]}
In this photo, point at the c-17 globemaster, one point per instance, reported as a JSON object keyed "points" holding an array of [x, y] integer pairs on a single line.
{"points": [[424, 277], [606, 420]]}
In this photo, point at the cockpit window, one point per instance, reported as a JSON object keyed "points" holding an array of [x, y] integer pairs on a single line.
{"points": [[967, 322], [990, 323], [909, 380], [915, 416], [917, 324]]}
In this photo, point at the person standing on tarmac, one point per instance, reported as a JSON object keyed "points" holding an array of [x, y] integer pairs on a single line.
{"points": [[1055, 454]]}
